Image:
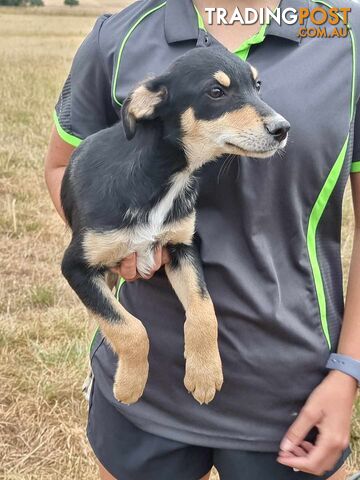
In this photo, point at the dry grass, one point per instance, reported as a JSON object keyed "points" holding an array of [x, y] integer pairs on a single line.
{"points": [[44, 335], [44, 332]]}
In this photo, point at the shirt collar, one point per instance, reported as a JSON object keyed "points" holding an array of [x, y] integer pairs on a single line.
{"points": [[181, 21], [289, 32]]}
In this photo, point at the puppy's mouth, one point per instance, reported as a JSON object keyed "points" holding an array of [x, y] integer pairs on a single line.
{"points": [[262, 153]]}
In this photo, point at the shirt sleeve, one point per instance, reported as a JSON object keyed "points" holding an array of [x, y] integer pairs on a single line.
{"points": [[84, 106], [355, 166]]}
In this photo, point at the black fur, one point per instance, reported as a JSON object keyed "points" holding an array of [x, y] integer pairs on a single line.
{"points": [[112, 175], [188, 254], [127, 167]]}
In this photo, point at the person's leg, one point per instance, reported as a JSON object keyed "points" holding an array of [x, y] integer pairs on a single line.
{"points": [[129, 453], [207, 476], [340, 474], [105, 475]]}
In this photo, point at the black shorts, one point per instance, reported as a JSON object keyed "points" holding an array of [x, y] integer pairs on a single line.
{"points": [[129, 453]]}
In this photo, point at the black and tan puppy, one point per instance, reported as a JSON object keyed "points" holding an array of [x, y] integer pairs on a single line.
{"points": [[132, 187]]}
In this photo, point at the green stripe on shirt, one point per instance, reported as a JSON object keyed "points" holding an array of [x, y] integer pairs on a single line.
{"points": [[355, 167], [67, 137]]}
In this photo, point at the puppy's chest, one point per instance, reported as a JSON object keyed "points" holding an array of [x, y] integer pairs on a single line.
{"points": [[166, 216], [172, 219], [143, 238]]}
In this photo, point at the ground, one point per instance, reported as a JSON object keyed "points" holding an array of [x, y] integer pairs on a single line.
{"points": [[44, 331]]}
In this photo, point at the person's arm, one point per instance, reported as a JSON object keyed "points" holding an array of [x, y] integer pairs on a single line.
{"points": [[330, 405], [349, 343], [56, 159]]}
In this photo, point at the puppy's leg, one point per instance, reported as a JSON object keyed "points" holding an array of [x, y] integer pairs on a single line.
{"points": [[203, 375], [125, 333]]}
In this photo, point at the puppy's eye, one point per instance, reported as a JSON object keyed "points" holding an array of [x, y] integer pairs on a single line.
{"points": [[258, 85], [216, 92]]}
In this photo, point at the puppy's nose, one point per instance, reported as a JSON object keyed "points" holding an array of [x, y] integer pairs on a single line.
{"points": [[278, 128]]}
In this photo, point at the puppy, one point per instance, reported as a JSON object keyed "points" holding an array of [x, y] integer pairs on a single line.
{"points": [[132, 188]]}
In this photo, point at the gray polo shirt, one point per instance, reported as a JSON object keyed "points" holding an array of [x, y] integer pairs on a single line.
{"points": [[269, 230]]}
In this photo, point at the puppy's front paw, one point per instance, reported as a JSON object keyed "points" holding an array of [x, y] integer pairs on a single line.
{"points": [[130, 381], [203, 377]]}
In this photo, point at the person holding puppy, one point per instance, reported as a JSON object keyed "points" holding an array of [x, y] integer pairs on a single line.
{"points": [[269, 237]]}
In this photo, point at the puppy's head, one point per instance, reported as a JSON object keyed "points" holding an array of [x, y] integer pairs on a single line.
{"points": [[209, 104]]}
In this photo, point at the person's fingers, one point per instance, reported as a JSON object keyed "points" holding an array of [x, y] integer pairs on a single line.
{"points": [[137, 276], [326, 451], [304, 448], [157, 258], [285, 454], [307, 446], [322, 457], [116, 270], [298, 451], [306, 420], [165, 256], [127, 268]]}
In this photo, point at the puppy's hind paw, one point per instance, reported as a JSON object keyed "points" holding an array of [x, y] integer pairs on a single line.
{"points": [[129, 385], [201, 381]]}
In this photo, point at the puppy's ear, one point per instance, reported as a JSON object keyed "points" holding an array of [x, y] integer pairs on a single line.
{"points": [[142, 104], [128, 119]]}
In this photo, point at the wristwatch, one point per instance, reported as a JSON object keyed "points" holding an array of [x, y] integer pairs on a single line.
{"points": [[344, 364]]}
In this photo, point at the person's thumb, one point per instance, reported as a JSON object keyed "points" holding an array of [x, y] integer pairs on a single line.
{"points": [[305, 421]]}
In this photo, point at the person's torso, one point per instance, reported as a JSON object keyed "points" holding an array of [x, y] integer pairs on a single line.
{"points": [[268, 230]]}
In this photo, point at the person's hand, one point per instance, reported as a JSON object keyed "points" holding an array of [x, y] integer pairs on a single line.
{"points": [[127, 267], [329, 408]]}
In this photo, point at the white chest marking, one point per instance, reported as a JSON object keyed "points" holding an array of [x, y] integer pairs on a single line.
{"points": [[148, 232], [159, 213], [108, 248], [144, 236]]}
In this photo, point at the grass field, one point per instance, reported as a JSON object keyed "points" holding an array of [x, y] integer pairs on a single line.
{"points": [[44, 332]]}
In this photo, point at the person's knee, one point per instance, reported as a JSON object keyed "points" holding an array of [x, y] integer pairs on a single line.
{"points": [[206, 477], [341, 474], [104, 474]]}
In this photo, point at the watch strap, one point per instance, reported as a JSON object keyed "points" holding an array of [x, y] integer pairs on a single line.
{"points": [[344, 364]]}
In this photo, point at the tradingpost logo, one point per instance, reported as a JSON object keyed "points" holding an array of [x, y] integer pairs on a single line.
{"points": [[336, 18]]}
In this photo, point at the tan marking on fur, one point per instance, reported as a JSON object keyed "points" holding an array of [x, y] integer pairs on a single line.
{"points": [[180, 232], [199, 135], [109, 248], [203, 373], [143, 102], [129, 340], [105, 248], [254, 72], [222, 78]]}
